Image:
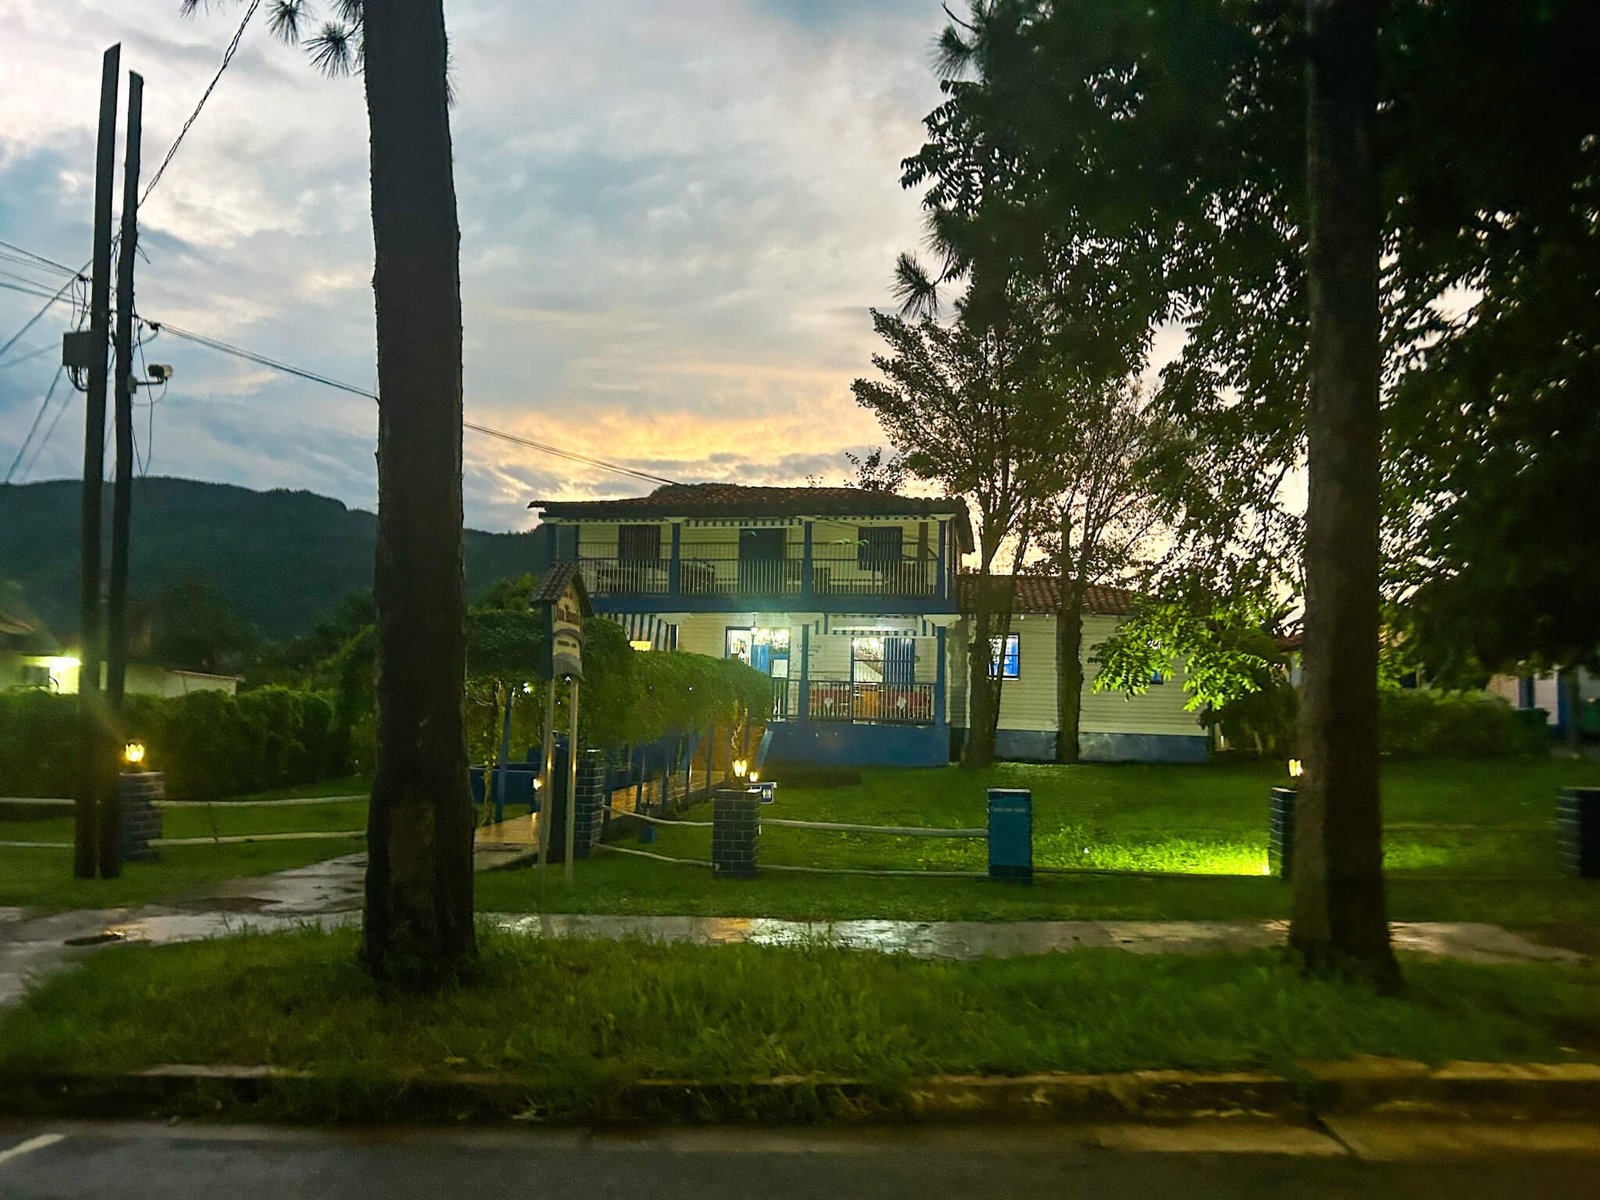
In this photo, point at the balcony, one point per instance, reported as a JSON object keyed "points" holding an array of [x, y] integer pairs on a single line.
{"points": [[718, 571]]}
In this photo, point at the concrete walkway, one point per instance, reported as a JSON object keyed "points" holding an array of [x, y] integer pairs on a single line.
{"points": [[329, 894]]}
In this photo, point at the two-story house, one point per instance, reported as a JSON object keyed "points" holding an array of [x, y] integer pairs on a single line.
{"points": [[845, 597]]}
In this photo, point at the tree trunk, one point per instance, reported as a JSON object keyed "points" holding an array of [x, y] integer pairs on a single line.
{"points": [[1069, 671], [1338, 918], [978, 748], [418, 921]]}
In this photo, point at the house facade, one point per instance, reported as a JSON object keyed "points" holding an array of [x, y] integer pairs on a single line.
{"points": [[844, 597], [1113, 726]]}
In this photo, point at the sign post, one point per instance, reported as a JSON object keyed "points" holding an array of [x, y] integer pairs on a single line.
{"points": [[563, 602]]}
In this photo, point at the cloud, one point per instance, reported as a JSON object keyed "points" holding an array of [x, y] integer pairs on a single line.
{"points": [[674, 218]]}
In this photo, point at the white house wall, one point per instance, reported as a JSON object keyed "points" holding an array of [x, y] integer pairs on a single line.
{"points": [[1111, 724]]}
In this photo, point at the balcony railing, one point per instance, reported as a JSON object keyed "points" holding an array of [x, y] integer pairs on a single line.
{"points": [[845, 571], [626, 577], [719, 570], [872, 703]]}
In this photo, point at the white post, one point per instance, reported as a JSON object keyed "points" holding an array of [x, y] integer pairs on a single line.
{"points": [[572, 785], [547, 789]]}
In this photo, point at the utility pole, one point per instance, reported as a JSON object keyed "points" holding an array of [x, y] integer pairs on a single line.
{"points": [[122, 489], [93, 761]]}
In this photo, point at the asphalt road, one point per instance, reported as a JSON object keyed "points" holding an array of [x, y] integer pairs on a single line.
{"points": [[1368, 1157]]}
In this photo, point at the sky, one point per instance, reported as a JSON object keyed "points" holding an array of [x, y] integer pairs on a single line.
{"points": [[675, 217]]}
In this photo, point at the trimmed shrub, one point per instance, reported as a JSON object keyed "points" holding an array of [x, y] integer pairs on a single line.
{"points": [[209, 744], [1421, 723]]}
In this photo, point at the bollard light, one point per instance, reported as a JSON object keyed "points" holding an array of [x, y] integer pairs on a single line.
{"points": [[133, 753], [755, 776]]}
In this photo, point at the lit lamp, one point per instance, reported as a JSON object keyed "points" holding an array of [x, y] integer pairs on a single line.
{"points": [[1295, 769], [741, 768], [133, 753], [755, 776]]}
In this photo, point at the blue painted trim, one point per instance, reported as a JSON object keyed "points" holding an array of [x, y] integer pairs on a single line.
{"points": [[675, 564], [944, 579], [858, 745], [940, 715], [804, 714], [807, 586]]}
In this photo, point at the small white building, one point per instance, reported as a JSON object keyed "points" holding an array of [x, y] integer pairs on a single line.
{"points": [[1112, 726], [58, 673]]}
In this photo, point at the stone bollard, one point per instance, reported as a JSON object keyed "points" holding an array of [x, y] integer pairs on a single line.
{"points": [[735, 829], [592, 798], [1011, 834], [1280, 834], [139, 793], [1578, 832]]}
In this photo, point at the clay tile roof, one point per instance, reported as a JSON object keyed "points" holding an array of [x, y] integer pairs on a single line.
{"points": [[741, 500], [1042, 594]]}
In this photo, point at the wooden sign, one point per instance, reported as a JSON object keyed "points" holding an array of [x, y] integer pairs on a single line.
{"points": [[565, 604]]}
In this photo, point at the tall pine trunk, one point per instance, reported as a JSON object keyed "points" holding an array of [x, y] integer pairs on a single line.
{"points": [[1338, 918], [419, 829]]}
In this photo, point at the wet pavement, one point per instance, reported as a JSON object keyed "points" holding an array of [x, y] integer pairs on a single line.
{"points": [[329, 894]]}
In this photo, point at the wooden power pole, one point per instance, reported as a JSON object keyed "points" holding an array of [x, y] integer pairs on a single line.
{"points": [[93, 761], [122, 488]]}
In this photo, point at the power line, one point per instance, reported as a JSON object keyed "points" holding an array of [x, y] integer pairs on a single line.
{"points": [[34, 428], [38, 258], [227, 57], [327, 381]]}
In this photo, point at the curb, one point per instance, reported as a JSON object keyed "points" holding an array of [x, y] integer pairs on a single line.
{"points": [[1570, 1090]]}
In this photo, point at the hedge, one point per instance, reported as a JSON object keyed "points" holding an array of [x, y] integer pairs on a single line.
{"points": [[210, 744], [1420, 723]]}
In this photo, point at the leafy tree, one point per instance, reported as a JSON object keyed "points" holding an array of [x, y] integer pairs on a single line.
{"points": [[418, 918], [877, 473], [963, 405], [1095, 485]]}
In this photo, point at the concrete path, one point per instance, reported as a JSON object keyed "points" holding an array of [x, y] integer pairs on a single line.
{"points": [[329, 894], [1236, 1159]]}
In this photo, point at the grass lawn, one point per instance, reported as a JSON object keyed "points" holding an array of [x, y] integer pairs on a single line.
{"points": [[43, 877], [574, 1019], [1465, 841]]}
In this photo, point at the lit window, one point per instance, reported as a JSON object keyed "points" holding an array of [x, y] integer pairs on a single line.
{"points": [[866, 659], [1006, 656]]}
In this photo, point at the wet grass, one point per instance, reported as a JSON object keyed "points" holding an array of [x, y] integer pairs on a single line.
{"points": [[43, 878], [1464, 841], [576, 1019]]}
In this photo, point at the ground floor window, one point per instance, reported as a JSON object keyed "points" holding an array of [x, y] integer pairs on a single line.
{"points": [[1006, 656]]}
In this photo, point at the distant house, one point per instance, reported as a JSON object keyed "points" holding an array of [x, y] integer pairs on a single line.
{"points": [[845, 597], [58, 673], [1546, 692], [1113, 726]]}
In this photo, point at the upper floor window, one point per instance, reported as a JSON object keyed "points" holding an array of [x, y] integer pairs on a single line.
{"points": [[879, 546], [1006, 656], [638, 543]]}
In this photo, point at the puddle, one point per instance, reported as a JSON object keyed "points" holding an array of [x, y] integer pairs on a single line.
{"points": [[96, 939]]}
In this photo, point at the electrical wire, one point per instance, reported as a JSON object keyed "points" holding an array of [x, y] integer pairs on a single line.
{"points": [[38, 258], [227, 57], [328, 381], [34, 428], [315, 377]]}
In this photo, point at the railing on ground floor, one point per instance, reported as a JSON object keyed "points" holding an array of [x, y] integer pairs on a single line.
{"points": [[871, 703]]}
